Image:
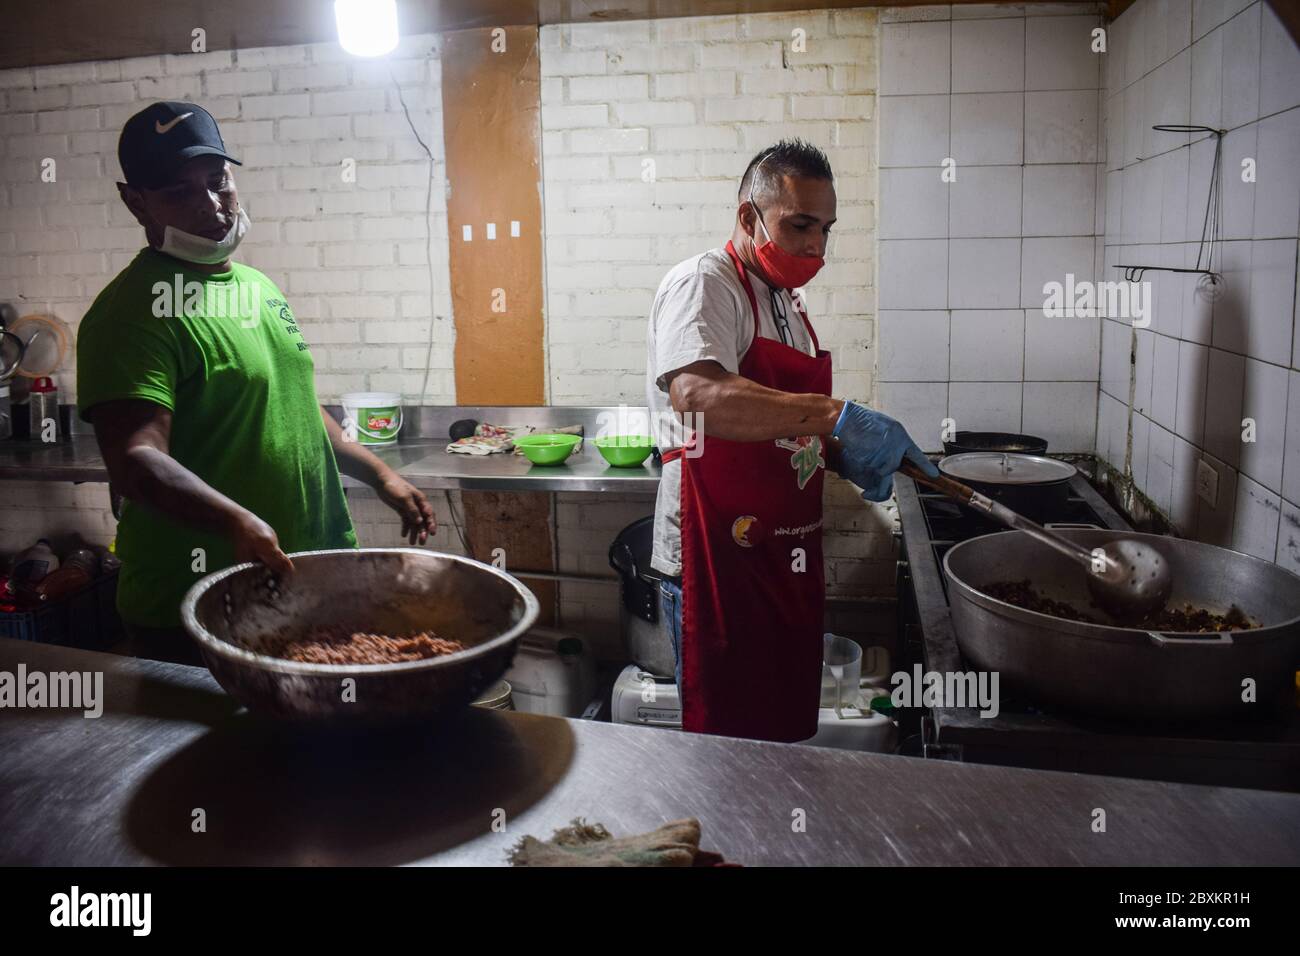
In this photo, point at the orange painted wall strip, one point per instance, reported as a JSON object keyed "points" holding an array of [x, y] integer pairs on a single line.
{"points": [[491, 99]]}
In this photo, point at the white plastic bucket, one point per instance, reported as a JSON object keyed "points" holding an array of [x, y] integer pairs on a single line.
{"points": [[496, 697], [374, 417]]}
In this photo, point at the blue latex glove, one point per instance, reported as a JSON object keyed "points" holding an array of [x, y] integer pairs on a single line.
{"points": [[872, 447]]}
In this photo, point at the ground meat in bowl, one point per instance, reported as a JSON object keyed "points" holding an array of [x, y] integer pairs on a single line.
{"points": [[1187, 619], [342, 645]]}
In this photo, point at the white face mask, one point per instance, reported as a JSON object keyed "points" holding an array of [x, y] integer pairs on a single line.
{"points": [[202, 250]]}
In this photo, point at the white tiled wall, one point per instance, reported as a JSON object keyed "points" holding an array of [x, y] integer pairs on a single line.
{"points": [[1206, 364], [1009, 93]]}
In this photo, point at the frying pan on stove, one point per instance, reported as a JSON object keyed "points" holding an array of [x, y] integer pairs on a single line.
{"points": [[963, 442], [1032, 485]]}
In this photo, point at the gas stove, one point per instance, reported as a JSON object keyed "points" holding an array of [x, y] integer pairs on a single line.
{"points": [[1031, 733]]}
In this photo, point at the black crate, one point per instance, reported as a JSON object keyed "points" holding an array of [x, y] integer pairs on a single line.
{"points": [[87, 618]]}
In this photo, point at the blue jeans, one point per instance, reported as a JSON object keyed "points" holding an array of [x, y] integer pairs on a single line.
{"points": [[670, 619]]}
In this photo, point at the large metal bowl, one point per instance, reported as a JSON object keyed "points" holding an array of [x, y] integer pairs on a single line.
{"points": [[1127, 672], [238, 613]]}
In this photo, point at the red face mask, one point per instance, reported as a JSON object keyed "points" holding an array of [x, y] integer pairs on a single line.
{"points": [[786, 270]]}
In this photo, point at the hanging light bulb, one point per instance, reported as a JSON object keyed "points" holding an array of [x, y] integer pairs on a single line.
{"points": [[367, 27]]}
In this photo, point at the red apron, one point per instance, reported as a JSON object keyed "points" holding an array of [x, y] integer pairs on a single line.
{"points": [[751, 605]]}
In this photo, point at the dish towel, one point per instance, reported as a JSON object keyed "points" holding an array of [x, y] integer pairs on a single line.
{"points": [[590, 844], [489, 439]]}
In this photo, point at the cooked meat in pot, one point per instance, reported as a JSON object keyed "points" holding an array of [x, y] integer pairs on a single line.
{"points": [[1186, 619], [342, 645]]}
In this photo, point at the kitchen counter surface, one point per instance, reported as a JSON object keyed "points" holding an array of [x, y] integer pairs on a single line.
{"points": [[422, 461], [125, 788]]}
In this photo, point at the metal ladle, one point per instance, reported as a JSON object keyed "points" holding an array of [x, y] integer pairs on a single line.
{"points": [[1126, 578]]}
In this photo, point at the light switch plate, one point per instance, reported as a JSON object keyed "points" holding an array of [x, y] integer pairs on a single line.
{"points": [[1207, 483]]}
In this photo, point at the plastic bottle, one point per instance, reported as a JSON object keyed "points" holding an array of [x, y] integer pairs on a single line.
{"points": [[43, 406], [31, 566], [78, 569], [85, 559], [59, 584]]}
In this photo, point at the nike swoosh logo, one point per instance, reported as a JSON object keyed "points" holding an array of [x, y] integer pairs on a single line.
{"points": [[166, 127]]}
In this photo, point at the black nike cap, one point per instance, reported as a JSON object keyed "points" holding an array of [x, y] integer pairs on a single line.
{"points": [[161, 138]]}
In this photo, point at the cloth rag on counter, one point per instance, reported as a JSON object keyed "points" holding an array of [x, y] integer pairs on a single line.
{"points": [[491, 439], [590, 844]]}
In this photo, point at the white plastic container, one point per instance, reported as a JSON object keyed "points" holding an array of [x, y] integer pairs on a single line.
{"points": [[856, 728], [374, 418], [841, 668], [641, 698], [552, 674], [496, 697]]}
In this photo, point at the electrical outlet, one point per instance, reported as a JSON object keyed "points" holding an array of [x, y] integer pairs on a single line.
{"points": [[1207, 483]]}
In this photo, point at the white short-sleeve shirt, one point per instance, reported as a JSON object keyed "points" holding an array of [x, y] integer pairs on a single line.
{"points": [[701, 313]]}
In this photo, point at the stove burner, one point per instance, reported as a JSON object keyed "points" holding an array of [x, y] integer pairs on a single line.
{"points": [[1032, 733]]}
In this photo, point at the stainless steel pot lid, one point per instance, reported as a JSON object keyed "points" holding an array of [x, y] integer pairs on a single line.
{"points": [[1006, 468]]}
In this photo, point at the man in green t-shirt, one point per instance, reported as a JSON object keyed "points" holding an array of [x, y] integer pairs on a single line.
{"points": [[201, 390]]}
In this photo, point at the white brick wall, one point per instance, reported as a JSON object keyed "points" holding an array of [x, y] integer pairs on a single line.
{"points": [[378, 526], [54, 510], [698, 97], [293, 115], [349, 256]]}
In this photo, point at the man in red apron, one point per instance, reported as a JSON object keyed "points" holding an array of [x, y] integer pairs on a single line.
{"points": [[738, 530]]}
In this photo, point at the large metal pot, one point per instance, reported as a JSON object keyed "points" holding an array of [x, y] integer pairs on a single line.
{"points": [[643, 635], [236, 614], [1032, 485], [1119, 671]]}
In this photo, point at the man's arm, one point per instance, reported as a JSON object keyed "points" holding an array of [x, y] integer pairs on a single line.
{"points": [[134, 437], [739, 409], [355, 460]]}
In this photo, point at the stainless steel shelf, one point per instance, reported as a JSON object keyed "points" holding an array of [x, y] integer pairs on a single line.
{"points": [[422, 459]]}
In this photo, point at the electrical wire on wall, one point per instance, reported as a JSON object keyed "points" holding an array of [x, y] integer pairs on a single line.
{"points": [[428, 230], [1210, 284], [428, 259], [455, 523]]}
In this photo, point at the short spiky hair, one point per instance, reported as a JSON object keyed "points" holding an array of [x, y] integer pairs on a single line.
{"points": [[789, 157]]}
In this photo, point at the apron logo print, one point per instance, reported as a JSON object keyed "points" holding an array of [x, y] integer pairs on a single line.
{"points": [[807, 457], [740, 529]]}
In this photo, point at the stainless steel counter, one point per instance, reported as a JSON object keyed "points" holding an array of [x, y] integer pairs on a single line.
{"points": [[123, 789], [421, 456]]}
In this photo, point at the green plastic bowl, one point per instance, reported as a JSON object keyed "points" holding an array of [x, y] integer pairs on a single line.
{"points": [[547, 449], [625, 451]]}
